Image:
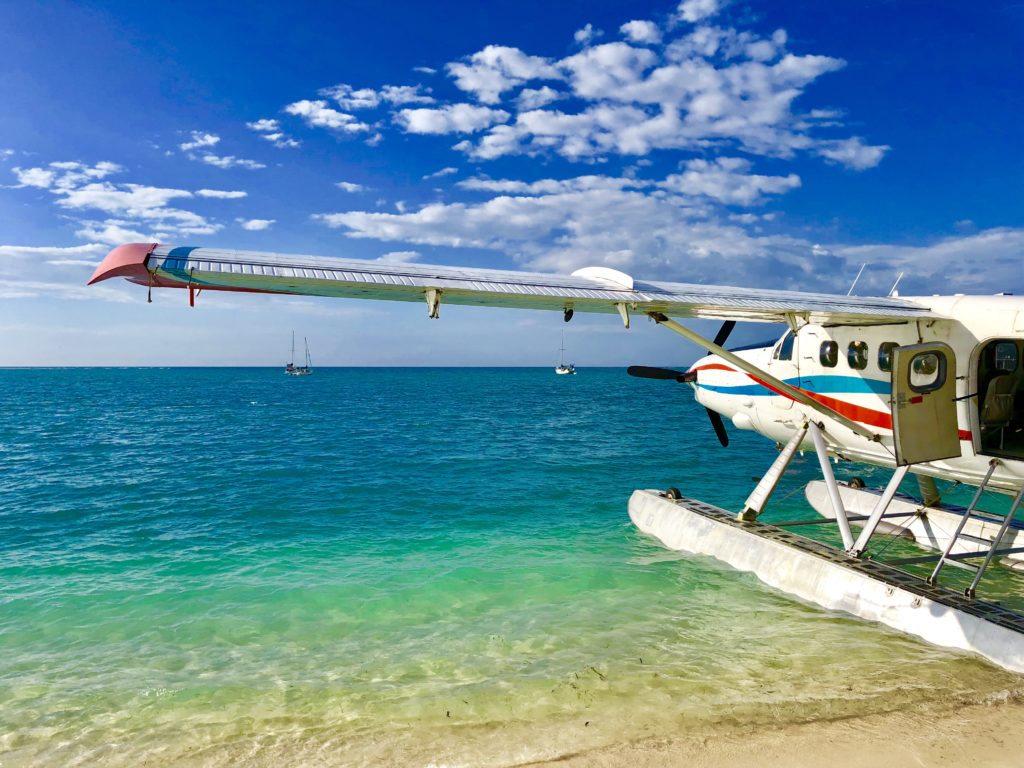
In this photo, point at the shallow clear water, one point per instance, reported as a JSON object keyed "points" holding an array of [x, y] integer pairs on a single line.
{"points": [[418, 566]]}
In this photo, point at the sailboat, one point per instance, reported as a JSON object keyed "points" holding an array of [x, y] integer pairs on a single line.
{"points": [[298, 370], [562, 369]]}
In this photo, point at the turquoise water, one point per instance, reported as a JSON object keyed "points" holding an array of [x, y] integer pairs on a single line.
{"points": [[415, 566]]}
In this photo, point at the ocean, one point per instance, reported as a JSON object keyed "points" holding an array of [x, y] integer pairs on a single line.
{"points": [[418, 567]]}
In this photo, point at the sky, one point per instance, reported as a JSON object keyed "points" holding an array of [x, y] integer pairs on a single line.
{"points": [[771, 143]]}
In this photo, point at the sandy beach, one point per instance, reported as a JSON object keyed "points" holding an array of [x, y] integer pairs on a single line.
{"points": [[976, 735]]}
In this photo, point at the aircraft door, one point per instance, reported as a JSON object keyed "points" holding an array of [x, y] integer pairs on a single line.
{"points": [[924, 403]]}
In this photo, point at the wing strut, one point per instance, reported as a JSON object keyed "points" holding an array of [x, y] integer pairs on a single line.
{"points": [[763, 377]]}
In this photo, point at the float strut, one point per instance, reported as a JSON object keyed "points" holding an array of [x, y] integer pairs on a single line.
{"points": [[830, 483], [758, 498], [880, 506]]}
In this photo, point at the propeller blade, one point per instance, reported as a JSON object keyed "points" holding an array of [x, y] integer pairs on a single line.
{"points": [[724, 331], [644, 372], [716, 422]]}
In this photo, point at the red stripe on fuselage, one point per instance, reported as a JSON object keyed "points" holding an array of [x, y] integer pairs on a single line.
{"points": [[869, 416]]}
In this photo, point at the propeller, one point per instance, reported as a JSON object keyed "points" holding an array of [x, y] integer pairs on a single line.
{"points": [[665, 374], [724, 331], [719, 425], [668, 374]]}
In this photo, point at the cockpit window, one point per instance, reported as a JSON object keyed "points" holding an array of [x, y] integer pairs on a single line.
{"points": [[785, 349]]}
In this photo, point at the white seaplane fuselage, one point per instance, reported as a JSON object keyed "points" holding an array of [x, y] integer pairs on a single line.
{"points": [[845, 368]]}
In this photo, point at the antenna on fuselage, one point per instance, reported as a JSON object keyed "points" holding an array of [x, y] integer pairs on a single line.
{"points": [[892, 291], [854, 284]]}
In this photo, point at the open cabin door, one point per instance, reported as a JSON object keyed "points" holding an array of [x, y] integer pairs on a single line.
{"points": [[923, 403]]}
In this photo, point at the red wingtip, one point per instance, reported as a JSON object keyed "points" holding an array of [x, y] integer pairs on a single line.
{"points": [[124, 261]]}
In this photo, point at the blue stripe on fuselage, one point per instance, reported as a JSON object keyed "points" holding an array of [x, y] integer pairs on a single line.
{"points": [[853, 385]]}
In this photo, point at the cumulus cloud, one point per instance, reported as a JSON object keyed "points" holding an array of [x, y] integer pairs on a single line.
{"points": [[447, 171], [535, 98], [853, 153], [230, 161], [221, 194], [255, 225], [694, 11], [643, 32], [134, 211], [586, 34], [728, 180], [270, 130], [497, 68], [317, 114], [199, 140], [452, 118]]}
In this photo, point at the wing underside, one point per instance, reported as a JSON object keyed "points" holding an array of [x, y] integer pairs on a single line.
{"points": [[605, 291]]}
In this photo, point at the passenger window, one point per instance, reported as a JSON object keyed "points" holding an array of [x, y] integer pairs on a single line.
{"points": [[927, 372], [1006, 356], [829, 354], [885, 350], [857, 355], [785, 350]]}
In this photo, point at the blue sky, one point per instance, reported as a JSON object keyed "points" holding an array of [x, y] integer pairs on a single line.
{"points": [[777, 144]]}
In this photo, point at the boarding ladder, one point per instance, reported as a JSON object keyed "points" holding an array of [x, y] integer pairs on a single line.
{"points": [[972, 512]]}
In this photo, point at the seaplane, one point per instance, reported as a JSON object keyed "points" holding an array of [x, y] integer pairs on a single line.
{"points": [[930, 387]]}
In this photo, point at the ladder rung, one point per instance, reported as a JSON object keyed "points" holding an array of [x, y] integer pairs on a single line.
{"points": [[976, 539]]}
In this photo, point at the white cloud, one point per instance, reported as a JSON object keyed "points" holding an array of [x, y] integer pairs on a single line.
{"points": [[551, 186], [398, 257], [270, 130], [452, 118], [348, 186], [230, 161], [6, 154], [34, 177], [586, 34], [55, 251], [496, 69], [698, 10], [728, 180], [221, 194], [29, 289], [264, 125], [63, 175], [199, 140], [117, 232], [600, 72], [404, 94], [73, 263], [317, 114], [940, 266], [535, 98], [607, 224], [644, 32], [448, 171], [135, 200], [853, 153], [425, 70], [352, 98], [255, 225]]}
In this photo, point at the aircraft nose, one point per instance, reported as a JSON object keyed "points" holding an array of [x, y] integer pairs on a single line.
{"points": [[695, 369]]}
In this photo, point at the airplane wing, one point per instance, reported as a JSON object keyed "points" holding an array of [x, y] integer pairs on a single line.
{"points": [[594, 289]]}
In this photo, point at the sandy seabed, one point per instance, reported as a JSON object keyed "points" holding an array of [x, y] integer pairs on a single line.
{"points": [[976, 735]]}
